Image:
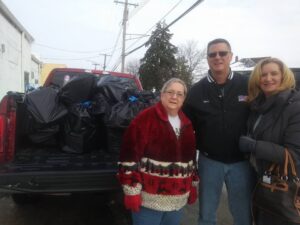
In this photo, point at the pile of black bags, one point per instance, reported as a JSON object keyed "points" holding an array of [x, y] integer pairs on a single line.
{"points": [[87, 113]]}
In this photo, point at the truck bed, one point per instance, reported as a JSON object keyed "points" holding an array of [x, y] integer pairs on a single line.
{"points": [[51, 171], [71, 112]]}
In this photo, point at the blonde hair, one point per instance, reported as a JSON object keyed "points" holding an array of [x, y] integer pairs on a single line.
{"points": [[288, 78], [171, 81]]}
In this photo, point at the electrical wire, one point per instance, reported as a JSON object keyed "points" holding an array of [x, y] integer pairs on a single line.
{"points": [[172, 23], [90, 57], [117, 64], [134, 12], [115, 46], [137, 9], [145, 34], [156, 23], [70, 51]]}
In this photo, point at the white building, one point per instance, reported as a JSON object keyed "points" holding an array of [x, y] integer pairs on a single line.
{"points": [[35, 71], [18, 68]]}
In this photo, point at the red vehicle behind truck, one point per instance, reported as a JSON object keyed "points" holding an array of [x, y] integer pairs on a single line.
{"points": [[28, 170]]}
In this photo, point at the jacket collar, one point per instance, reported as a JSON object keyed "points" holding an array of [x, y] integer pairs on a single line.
{"points": [[162, 114], [211, 79], [274, 102], [271, 109]]}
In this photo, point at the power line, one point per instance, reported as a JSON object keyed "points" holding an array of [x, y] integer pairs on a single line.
{"points": [[156, 23], [186, 12], [140, 6], [71, 51], [137, 9], [115, 45], [145, 34], [172, 23], [117, 64], [90, 57]]}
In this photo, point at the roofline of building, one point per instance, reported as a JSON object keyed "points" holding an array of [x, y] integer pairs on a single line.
{"points": [[13, 20], [35, 59]]}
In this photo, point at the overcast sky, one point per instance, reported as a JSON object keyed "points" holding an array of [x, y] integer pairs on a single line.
{"points": [[255, 28]]}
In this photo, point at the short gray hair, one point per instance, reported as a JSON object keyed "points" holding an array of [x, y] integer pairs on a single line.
{"points": [[171, 81]]}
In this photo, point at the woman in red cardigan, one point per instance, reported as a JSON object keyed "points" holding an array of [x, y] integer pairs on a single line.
{"points": [[157, 160]]}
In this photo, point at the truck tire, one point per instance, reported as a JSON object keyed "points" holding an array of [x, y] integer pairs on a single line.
{"points": [[22, 199]]}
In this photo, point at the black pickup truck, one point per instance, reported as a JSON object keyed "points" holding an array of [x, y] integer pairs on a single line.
{"points": [[30, 167]]}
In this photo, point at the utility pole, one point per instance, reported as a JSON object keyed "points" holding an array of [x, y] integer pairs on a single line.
{"points": [[95, 64], [104, 64], [124, 23]]}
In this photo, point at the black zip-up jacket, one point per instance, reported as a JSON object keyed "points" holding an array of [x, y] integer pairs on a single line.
{"points": [[219, 114]]}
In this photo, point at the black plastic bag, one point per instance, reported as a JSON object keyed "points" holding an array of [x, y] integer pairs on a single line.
{"points": [[44, 106], [122, 113], [45, 135], [148, 97], [114, 139], [132, 103], [100, 105], [29, 129], [124, 82], [79, 130], [112, 88], [78, 89]]}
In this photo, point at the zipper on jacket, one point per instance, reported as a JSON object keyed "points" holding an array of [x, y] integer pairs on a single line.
{"points": [[221, 97]]}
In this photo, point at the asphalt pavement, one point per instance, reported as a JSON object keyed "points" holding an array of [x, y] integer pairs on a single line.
{"points": [[87, 209], [223, 215]]}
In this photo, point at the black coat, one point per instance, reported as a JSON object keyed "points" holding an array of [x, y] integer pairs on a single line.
{"points": [[279, 128], [219, 114]]}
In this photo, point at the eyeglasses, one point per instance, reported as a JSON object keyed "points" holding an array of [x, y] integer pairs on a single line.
{"points": [[220, 53], [172, 93]]}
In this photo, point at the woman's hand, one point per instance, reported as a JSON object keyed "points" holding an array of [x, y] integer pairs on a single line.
{"points": [[133, 202], [193, 195]]}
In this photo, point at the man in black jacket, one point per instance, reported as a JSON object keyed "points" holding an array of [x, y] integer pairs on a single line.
{"points": [[218, 110]]}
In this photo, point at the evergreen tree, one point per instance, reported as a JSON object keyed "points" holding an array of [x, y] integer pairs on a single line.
{"points": [[159, 63], [183, 72]]}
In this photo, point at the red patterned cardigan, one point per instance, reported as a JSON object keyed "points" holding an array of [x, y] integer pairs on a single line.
{"points": [[155, 164]]}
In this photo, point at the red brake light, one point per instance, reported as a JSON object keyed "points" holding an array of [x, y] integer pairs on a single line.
{"points": [[7, 129], [1, 126], [2, 130]]}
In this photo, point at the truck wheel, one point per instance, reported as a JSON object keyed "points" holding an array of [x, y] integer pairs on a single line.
{"points": [[22, 199]]}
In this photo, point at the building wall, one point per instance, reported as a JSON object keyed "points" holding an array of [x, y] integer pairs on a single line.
{"points": [[46, 68], [25, 63], [35, 72], [15, 57]]}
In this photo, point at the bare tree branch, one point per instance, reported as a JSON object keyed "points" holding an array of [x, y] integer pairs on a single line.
{"points": [[194, 56]]}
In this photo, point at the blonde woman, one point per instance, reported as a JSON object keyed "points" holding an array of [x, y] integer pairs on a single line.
{"points": [[274, 121]]}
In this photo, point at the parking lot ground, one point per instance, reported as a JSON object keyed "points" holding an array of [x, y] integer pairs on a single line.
{"points": [[223, 215], [86, 210]]}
